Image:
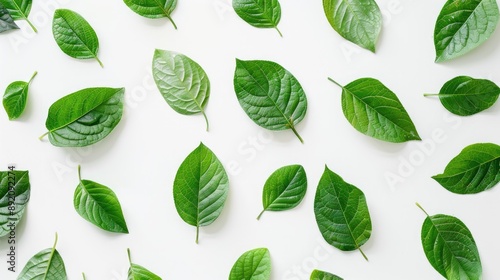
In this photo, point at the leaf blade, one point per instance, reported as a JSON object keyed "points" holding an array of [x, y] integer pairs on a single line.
{"points": [[259, 13], [74, 35], [201, 187], [22, 190], [6, 21], [270, 95], [47, 264], [182, 82], [462, 26], [342, 213], [322, 275], [153, 8], [474, 170], [284, 189], [358, 21], [15, 97], [84, 117], [252, 265], [19, 10]]}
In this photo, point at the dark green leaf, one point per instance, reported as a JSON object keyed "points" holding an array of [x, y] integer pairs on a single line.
{"points": [[270, 95], [284, 189], [321, 275], [462, 26], [99, 205], [6, 20], [450, 248], [376, 111], [15, 97], [14, 197], [465, 96], [153, 8], [475, 169], [358, 21], [19, 10], [252, 265], [74, 35], [46, 265], [342, 213], [182, 82], [259, 13], [84, 117], [137, 272], [201, 186]]}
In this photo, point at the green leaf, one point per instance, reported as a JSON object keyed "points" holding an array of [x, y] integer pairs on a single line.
{"points": [[201, 186], [259, 13], [74, 35], [284, 189], [47, 265], [462, 26], [475, 169], [252, 265], [450, 248], [342, 213], [84, 117], [137, 272], [465, 96], [376, 111], [14, 197], [15, 97], [99, 205], [6, 20], [358, 21], [270, 95], [321, 275], [182, 82], [19, 10], [153, 8]]}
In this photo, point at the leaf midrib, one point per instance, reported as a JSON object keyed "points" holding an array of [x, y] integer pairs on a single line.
{"points": [[24, 16], [468, 170]]}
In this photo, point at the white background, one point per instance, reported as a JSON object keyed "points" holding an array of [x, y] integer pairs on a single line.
{"points": [[140, 158]]}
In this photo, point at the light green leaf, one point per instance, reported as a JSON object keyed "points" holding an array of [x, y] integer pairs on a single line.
{"points": [[270, 95], [99, 205], [19, 10], [137, 272], [201, 186], [465, 96], [475, 169], [342, 213], [450, 248], [153, 8], [259, 13], [74, 35], [462, 26], [358, 21], [14, 197], [284, 189], [6, 21], [84, 117], [182, 82], [376, 111], [321, 275], [252, 265], [15, 97], [45, 265]]}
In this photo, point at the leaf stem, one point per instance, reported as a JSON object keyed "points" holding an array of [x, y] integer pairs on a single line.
{"points": [[197, 233], [421, 208], [129, 258], [83, 274], [281, 35], [31, 25], [45, 134], [333, 81], [431, 94], [297, 134], [100, 62], [258, 217], [32, 77], [79, 173], [206, 119], [363, 253], [172, 21]]}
